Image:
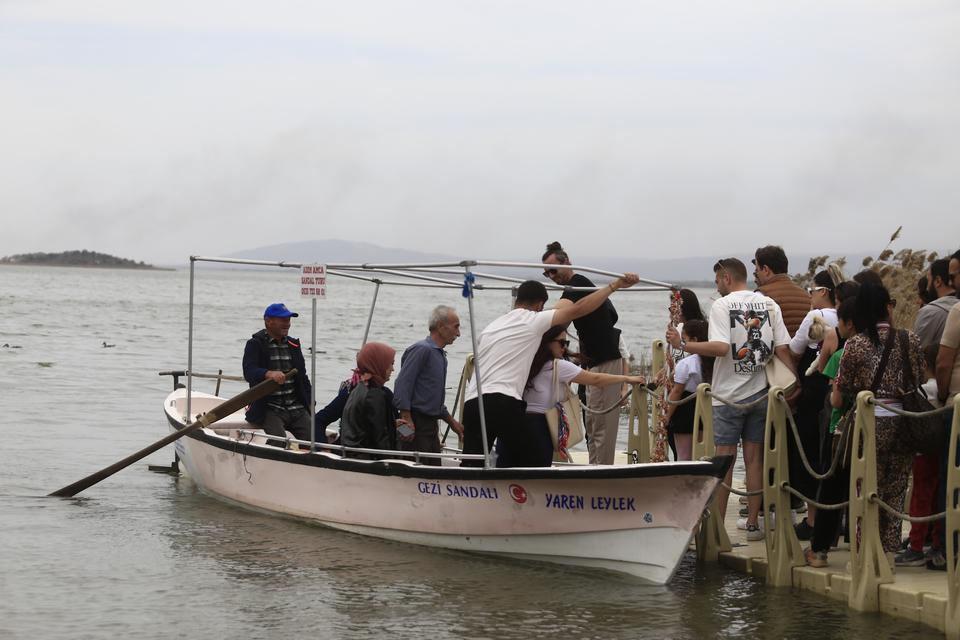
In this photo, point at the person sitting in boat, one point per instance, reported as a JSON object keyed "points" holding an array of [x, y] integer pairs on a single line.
{"points": [[419, 390], [268, 354], [369, 419], [535, 441], [505, 352]]}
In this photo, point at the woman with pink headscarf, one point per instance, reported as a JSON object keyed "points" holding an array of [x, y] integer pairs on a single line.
{"points": [[369, 419]]}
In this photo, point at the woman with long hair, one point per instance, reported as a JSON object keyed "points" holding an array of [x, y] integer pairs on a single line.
{"points": [[534, 446], [859, 365], [687, 375]]}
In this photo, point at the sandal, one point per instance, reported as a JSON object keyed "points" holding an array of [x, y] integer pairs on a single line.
{"points": [[816, 559]]}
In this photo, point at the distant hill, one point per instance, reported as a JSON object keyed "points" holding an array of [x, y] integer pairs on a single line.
{"points": [[696, 269], [82, 258]]}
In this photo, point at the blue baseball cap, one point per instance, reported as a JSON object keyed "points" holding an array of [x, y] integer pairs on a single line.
{"points": [[279, 310]]}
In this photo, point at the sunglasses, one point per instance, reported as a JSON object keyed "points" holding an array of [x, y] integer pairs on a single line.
{"points": [[563, 343], [549, 272], [812, 290]]}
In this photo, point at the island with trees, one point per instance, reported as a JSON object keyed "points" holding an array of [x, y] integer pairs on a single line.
{"points": [[82, 258]]}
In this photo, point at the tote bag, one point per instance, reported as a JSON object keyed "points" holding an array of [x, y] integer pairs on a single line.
{"points": [[564, 419]]}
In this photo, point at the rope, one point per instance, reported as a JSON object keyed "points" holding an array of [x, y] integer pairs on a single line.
{"points": [[911, 414], [612, 407], [731, 403], [677, 403], [757, 492], [903, 516], [812, 502]]}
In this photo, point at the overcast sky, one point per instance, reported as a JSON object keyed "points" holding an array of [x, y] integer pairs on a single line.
{"points": [[156, 130]]}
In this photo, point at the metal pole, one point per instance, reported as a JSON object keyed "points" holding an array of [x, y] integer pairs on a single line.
{"points": [[313, 373], [190, 342], [376, 292], [476, 370]]}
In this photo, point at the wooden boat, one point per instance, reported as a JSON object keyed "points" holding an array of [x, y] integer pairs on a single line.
{"points": [[635, 519]]}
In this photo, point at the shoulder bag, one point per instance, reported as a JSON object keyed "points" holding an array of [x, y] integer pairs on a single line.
{"points": [[564, 419], [926, 434]]}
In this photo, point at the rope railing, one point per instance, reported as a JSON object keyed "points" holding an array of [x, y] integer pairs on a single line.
{"points": [[616, 405], [909, 414], [819, 505], [873, 497], [740, 405], [834, 463], [737, 492]]}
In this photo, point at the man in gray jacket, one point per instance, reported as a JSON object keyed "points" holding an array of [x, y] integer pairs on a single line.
{"points": [[932, 317]]}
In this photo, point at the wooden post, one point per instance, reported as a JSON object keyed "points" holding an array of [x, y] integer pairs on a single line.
{"points": [[783, 548], [952, 528], [712, 538], [638, 427], [868, 563]]}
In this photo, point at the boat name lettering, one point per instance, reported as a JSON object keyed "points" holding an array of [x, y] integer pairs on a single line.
{"points": [[458, 491], [572, 502]]}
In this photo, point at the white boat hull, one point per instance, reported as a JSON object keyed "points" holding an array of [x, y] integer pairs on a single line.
{"points": [[636, 519]]}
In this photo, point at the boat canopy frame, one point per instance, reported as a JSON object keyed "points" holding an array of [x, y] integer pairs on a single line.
{"points": [[417, 274]]}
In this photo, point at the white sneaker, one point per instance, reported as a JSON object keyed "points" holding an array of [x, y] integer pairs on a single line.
{"points": [[742, 522]]}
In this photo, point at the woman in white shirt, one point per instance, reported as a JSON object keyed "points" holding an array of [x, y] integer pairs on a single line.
{"points": [[535, 447], [811, 416], [687, 376]]}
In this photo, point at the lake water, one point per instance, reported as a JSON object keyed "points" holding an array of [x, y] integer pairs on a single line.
{"points": [[146, 555]]}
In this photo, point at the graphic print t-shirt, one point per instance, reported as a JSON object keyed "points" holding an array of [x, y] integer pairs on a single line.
{"points": [[751, 323]]}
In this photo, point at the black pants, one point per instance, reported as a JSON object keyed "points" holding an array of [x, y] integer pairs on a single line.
{"points": [[833, 490], [810, 426], [276, 423], [504, 417], [426, 437], [533, 446]]}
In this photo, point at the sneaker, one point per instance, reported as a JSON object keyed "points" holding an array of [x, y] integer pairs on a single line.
{"points": [[817, 559], [937, 561], [755, 533], [910, 558], [804, 531], [745, 511]]}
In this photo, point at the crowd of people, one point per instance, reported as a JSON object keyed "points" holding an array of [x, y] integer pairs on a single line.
{"points": [[836, 338]]}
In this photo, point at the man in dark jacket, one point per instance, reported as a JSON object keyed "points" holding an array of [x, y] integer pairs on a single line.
{"points": [[269, 353]]}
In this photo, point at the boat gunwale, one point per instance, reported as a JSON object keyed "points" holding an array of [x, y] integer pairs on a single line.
{"points": [[713, 467]]}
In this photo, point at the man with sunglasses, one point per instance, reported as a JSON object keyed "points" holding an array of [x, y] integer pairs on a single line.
{"points": [[599, 353]]}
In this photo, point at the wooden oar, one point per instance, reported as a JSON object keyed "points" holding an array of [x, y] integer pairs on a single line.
{"points": [[222, 410]]}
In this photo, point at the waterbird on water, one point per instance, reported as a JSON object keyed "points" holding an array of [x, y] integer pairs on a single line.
{"points": [[107, 346], [7, 345]]}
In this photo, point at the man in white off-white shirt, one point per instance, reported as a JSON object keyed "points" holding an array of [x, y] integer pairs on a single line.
{"points": [[746, 331], [505, 353]]}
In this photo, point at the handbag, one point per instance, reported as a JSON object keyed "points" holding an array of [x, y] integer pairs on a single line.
{"points": [[564, 419], [779, 374], [926, 434]]}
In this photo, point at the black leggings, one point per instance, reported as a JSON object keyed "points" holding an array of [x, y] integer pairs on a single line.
{"points": [[504, 417]]}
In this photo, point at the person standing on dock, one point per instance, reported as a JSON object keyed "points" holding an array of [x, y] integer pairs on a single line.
{"points": [[505, 352], [770, 274], [599, 353], [268, 354], [746, 331], [419, 390]]}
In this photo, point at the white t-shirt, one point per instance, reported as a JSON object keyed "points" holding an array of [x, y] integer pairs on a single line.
{"points": [[505, 351], [540, 396], [801, 340], [751, 323], [689, 373], [677, 354]]}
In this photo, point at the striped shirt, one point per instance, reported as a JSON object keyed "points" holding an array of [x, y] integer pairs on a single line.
{"points": [[284, 398]]}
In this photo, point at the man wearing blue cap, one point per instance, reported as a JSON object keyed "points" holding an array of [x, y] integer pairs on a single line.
{"points": [[268, 354]]}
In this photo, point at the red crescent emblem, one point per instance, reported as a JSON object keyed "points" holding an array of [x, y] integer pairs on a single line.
{"points": [[518, 493]]}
